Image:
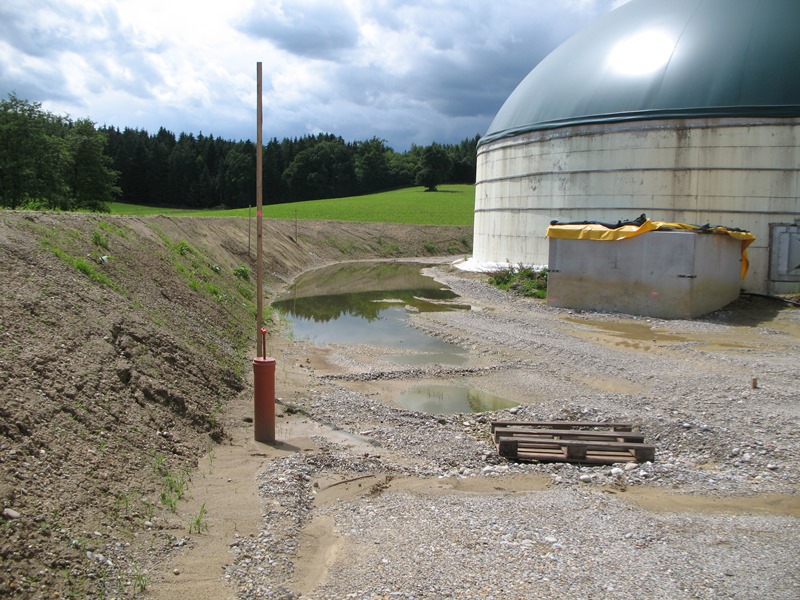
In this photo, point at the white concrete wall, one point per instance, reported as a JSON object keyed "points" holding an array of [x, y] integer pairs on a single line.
{"points": [[735, 172]]}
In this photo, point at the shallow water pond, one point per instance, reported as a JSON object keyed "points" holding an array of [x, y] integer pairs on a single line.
{"points": [[369, 303]]}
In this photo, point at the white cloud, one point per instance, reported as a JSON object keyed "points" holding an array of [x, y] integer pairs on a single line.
{"points": [[408, 71]]}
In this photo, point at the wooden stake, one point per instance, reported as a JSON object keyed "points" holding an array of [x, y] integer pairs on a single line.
{"points": [[259, 216]]}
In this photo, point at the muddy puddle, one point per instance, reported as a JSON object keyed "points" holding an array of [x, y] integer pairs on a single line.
{"points": [[652, 499], [628, 332], [657, 500], [444, 398], [742, 320]]}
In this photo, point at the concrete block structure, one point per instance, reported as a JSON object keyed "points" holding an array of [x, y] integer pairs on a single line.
{"points": [[663, 274]]}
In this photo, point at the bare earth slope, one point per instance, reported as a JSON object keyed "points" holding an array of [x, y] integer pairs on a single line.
{"points": [[123, 341]]}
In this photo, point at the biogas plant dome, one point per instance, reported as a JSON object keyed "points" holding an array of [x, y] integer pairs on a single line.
{"points": [[686, 110]]}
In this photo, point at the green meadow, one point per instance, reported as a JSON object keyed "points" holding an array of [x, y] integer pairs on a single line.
{"points": [[450, 205]]}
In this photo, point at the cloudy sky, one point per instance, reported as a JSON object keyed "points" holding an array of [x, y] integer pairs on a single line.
{"points": [[406, 71]]}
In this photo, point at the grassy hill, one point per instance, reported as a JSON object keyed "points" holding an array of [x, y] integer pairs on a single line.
{"points": [[451, 205]]}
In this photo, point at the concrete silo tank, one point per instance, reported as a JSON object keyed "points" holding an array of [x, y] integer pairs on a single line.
{"points": [[687, 111]]}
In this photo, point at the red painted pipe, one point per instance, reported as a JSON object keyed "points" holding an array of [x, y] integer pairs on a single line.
{"points": [[264, 401], [264, 396]]}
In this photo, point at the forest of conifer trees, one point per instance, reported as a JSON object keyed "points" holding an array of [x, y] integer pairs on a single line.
{"points": [[52, 162]]}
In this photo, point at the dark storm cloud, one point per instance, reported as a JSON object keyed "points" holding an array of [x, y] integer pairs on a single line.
{"points": [[310, 29], [469, 58], [498, 55]]}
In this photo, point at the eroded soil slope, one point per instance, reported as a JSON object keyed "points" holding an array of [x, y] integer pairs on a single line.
{"points": [[123, 340]]}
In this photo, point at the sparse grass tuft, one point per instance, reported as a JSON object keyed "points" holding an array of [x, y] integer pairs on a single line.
{"points": [[140, 581], [111, 228], [387, 248], [198, 523], [99, 240], [86, 267], [174, 483]]}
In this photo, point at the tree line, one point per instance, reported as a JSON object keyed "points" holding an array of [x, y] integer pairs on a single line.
{"points": [[50, 161]]}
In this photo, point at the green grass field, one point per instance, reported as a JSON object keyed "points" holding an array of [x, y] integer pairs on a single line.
{"points": [[451, 205]]}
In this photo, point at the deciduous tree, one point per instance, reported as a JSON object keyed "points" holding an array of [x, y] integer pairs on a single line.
{"points": [[434, 168]]}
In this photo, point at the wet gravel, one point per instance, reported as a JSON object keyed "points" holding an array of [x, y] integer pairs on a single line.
{"points": [[715, 435]]}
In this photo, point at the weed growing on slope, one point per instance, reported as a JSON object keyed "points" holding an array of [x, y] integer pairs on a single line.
{"points": [[174, 484], [99, 240], [242, 272], [82, 265]]}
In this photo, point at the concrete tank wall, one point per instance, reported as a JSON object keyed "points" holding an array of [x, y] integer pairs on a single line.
{"points": [[664, 274], [735, 172]]}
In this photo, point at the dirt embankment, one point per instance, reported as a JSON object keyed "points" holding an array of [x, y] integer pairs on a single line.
{"points": [[123, 342]]}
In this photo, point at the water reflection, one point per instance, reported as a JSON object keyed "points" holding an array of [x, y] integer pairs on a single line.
{"points": [[438, 398], [368, 303]]}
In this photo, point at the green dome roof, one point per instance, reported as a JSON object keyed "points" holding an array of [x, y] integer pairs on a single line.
{"points": [[655, 59]]}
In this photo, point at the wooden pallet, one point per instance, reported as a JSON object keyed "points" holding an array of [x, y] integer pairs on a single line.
{"points": [[570, 441]]}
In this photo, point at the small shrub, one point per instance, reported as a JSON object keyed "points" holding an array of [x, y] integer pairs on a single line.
{"points": [[242, 272], [430, 247]]}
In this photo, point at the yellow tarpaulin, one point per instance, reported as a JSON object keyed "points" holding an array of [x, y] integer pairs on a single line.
{"points": [[596, 231]]}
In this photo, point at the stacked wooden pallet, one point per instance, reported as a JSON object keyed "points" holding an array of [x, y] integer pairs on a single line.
{"points": [[570, 441]]}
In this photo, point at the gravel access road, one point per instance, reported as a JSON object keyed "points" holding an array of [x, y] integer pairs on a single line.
{"points": [[391, 503]]}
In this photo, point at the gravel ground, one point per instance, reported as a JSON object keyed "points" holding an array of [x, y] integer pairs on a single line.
{"points": [[472, 525]]}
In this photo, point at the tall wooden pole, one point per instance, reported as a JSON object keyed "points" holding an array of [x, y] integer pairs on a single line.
{"points": [[259, 217]]}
